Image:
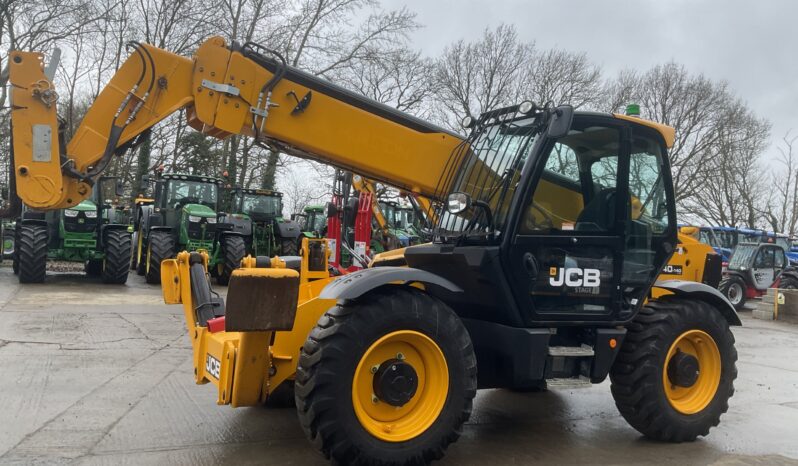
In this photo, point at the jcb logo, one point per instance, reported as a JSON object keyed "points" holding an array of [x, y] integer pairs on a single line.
{"points": [[575, 277], [212, 366]]}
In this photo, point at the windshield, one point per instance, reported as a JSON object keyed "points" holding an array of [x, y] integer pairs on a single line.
{"points": [[492, 160], [726, 238], [317, 221], [260, 204], [407, 217], [389, 212], [182, 192], [742, 256]]}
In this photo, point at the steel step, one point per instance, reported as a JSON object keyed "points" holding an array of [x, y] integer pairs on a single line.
{"points": [[568, 383], [571, 351]]}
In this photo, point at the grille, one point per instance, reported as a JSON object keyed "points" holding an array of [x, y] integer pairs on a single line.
{"points": [[80, 224]]}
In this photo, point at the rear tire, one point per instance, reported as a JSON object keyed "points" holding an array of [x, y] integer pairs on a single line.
{"points": [[233, 250], [32, 253], [733, 288], [641, 371], [160, 246], [117, 257], [335, 373], [288, 247]]}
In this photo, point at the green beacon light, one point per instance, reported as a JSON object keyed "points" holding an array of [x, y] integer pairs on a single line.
{"points": [[633, 110]]}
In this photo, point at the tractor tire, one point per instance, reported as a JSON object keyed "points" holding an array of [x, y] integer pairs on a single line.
{"points": [[733, 288], [93, 268], [288, 247], [160, 246], [233, 250], [116, 266], [358, 366], [788, 282], [32, 253], [675, 371]]}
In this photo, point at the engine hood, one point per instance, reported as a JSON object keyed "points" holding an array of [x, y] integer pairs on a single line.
{"points": [[199, 210]]}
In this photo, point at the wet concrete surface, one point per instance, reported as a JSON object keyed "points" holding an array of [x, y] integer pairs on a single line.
{"points": [[101, 374]]}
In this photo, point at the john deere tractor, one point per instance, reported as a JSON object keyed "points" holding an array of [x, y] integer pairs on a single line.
{"points": [[257, 214], [183, 217], [312, 221], [89, 232]]}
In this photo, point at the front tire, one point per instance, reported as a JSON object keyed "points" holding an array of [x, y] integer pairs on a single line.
{"points": [[675, 371], [356, 397], [32, 253], [160, 246], [733, 288], [233, 250], [117, 257], [788, 282]]}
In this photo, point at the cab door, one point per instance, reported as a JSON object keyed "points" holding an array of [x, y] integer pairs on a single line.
{"points": [[595, 225], [763, 270]]}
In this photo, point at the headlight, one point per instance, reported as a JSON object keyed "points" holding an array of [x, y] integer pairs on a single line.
{"points": [[211, 220], [194, 218], [71, 213], [90, 213]]}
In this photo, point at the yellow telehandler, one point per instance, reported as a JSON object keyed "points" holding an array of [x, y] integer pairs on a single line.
{"points": [[545, 265]]}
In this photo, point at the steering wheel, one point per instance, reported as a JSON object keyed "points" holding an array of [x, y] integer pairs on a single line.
{"points": [[531, 223]]}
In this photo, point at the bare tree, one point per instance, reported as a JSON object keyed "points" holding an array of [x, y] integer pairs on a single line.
{"points": [[782, 203], [732, 191], [475, 77]]}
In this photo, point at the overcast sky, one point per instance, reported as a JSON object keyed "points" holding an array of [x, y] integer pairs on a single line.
{"points": [[751, 44]]}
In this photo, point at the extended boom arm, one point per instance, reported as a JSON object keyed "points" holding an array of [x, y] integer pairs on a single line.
{"points": [[225, 91]]}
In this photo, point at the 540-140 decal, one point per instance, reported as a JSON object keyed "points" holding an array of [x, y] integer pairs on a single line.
{"points": [[672, 269]]}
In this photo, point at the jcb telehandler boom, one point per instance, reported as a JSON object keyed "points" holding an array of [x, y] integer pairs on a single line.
{"points": [[542, 270]]}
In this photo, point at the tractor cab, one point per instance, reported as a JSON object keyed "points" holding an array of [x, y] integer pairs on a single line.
{"points": [[188, 204], [258, 214], [397, 224], [755, 267], [574, 211], [312, 221]]}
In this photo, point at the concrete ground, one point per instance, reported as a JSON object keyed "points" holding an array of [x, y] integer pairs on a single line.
{"points": [[99, 374]]}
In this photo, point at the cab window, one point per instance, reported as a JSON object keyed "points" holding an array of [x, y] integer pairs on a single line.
{"points": [[576, 190], [765, 259]]}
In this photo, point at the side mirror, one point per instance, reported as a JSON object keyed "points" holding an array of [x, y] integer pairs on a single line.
{"points": [[560, 121], [458, 202], [119, 189]]}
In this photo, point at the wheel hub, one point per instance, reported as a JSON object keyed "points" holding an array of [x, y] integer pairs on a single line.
{"points": [[395, 382], [683, 369]]}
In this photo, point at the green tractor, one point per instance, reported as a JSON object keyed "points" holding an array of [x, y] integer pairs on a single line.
{"points": [[312, 221], [399, 225], [90, 232], [183, 216], [257, 215]]}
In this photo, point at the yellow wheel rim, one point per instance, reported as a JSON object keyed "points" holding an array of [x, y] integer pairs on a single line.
{"points": [[140, 241], [401, 423], [694, 398], [149, 254]]}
